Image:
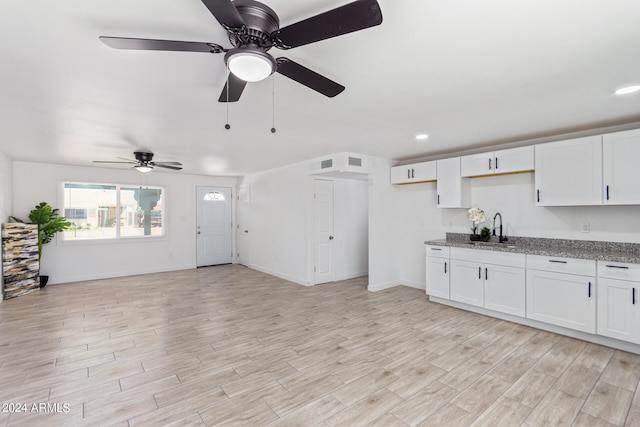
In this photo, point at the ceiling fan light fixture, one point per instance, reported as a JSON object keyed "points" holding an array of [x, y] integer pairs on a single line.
{"points": [[250, 64], [144, 168]]}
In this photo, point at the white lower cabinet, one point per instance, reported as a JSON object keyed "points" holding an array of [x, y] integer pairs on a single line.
{"points": [[490, 279], [504, 289], [467, 282], [618, 305], [558, 296], [437, 271]]}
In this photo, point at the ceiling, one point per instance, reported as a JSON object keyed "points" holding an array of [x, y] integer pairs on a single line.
{"points": [[469, 73]]}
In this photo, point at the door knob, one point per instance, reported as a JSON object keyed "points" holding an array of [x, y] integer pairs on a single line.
{"points": [[330, 237], [246, 231], [198, 232]]}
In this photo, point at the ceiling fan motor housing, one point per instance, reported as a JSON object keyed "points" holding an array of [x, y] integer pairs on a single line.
{"points": [[143, 157], [260, 21]]}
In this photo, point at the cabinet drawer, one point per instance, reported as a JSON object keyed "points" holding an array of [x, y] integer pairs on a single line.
{"points": [[619, 270], [583, 267], [509, 259], [438, 251]]}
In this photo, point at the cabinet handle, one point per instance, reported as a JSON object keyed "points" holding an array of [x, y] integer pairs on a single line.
{"points": [[479, 272], [436, 249], [633, 296], [408, 173], [622, 267], [557, 261], [607, 192], [413, 173], [445, 267], [538, 191], [496, 163], [489, 164], [438, 199], [486, 274], [589, 294]]}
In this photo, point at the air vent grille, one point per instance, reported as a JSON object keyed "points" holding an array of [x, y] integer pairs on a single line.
{"points": [[355, 161], [326, 164]]}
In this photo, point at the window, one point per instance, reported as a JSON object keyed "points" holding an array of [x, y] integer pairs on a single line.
{"points": [[214, 196], [106, 211]]}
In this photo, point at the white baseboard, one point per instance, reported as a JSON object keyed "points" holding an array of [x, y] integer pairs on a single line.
{"points": [[416, 285], [375, 287], [58, 280], [280, 275]]}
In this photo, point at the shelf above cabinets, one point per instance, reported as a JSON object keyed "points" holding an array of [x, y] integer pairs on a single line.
{"points": [[414, 173]]}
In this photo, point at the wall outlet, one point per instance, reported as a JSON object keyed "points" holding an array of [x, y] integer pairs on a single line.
{"points": [[585, 227]]}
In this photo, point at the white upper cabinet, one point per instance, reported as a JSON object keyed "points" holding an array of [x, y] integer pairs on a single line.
{"points": [[498, 162], [620, 155], [417, 172], [453, 190], [569, 173]]}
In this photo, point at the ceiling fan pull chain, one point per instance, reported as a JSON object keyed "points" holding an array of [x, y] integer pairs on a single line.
{"points": [[273, 104], [227, 126]]}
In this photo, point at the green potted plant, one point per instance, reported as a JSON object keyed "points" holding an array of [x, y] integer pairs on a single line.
{"points": [[49, 223]]}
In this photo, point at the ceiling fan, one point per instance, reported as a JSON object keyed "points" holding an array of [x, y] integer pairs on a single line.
{"points": [[254, 28], [144, 162]]}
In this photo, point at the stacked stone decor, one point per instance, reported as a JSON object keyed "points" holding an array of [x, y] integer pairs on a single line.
{"points": [[20, 266]]}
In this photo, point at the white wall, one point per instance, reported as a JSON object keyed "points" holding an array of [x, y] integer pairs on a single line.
{"points": [[385, 229], [74, 261], [281, 229], [6, 191], [278, 231], [513, 197], [6, 187]]}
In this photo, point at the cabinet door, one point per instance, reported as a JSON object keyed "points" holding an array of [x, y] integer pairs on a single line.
{"points": [[452, 189], [400, 174], [467, 282], [477, 164], [620, 154], [562, 299], [437, 270], [569, 173], [504, 289], [425, 171], [513, 160], [618, 313]]}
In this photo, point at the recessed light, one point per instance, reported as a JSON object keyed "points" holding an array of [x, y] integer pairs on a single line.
{"points": [[627, 90], [422, 136]]}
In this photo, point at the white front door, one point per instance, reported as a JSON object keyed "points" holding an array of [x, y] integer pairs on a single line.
{"points": [[243, 230], [323, 201], [213, 226]]}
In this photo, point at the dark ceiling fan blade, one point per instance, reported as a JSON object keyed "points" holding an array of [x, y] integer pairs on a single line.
{"points": [[345, 19], [167, 163], [159, 165], [106, 161], [226, 14], [235, 86], [153, 44], [308, 77]]}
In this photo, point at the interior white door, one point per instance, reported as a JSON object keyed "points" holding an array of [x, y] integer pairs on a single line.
{"points": [[214, 224], [323, 201], [243, 229]]}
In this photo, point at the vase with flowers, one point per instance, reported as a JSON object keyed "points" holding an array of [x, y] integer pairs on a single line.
{"points": [[477, 217]]}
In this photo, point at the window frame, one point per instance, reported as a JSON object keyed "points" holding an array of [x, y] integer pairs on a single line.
{"points": [[118, 238]]}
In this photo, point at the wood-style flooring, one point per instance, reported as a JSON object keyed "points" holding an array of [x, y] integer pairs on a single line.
{"points": [[231, 346]]}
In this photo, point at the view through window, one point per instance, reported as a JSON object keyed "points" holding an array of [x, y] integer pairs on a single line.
{"points": [[107, 211]]}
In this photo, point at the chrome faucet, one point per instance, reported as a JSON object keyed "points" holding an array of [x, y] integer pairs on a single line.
{"points": [[501, 238]]}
